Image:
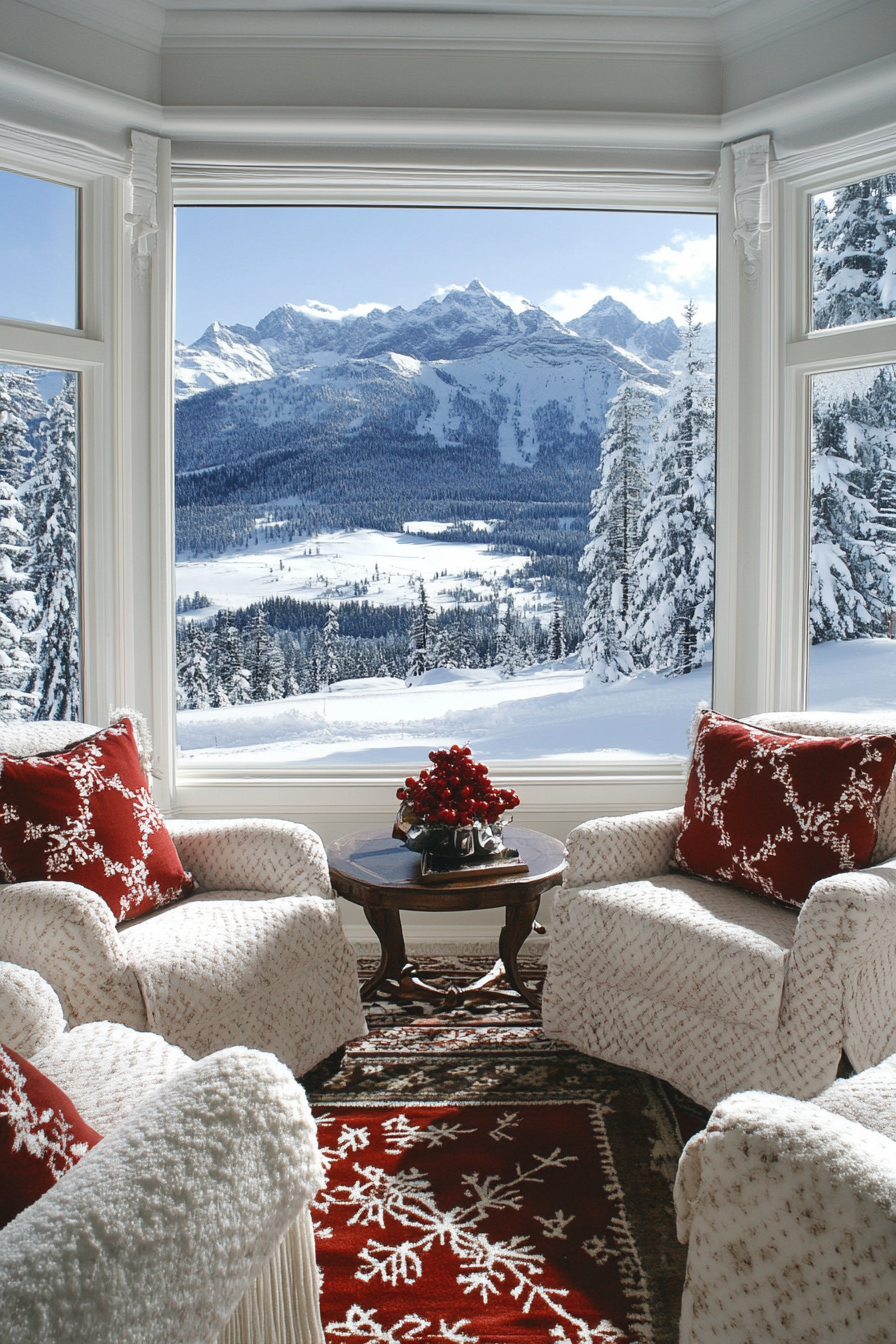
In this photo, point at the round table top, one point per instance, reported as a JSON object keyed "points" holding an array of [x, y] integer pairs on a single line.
{"points": [[370, 868]]}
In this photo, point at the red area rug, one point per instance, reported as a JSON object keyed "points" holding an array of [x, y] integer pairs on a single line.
{"points": [[489, 1186], [476, 1223]]}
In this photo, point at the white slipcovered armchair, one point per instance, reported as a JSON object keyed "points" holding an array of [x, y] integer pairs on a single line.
{"points": [[189, 1222], [709, 987], [257, 957], [789, 1211]]}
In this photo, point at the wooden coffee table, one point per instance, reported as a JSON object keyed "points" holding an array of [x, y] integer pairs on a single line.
{"points": [[378, 873]]}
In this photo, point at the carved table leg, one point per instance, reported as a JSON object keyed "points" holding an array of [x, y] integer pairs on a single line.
{"points": [[386, 924], [518, 922]]}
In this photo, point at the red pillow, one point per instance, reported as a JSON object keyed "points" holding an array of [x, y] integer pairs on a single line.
{"points": [[86, 815], [774, 812], [42, 1135]]}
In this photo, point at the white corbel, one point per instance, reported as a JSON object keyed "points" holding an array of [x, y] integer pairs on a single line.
{"points": [[752, 215], [142, 189]]}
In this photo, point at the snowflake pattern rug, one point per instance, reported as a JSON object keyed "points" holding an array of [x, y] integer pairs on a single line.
{"points": [[489, 1186]]}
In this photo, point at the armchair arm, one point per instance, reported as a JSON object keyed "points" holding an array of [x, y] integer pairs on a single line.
{"points": [[30, 1011], [854, 913], [253, 854], [792, 1214], [67, 934], [156, 1234], [622, 849]]}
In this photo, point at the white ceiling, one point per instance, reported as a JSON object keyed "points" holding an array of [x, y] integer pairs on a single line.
{"points": [[728, 26]]}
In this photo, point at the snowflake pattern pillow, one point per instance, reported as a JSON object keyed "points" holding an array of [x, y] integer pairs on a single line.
{"points": [[86, 815], [42, 1135], [774, 813]]}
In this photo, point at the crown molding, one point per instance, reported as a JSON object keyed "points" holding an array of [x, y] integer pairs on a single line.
{"points": [[741, 26], [140, 22], [440, 127], [809, 119], [659, 38], [711, 29], [201, 183]]}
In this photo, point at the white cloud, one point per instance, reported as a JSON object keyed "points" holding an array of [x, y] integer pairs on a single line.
{"points": [[518, 302], [328, 313], [652, 302], [688, 262], [440, 293]]}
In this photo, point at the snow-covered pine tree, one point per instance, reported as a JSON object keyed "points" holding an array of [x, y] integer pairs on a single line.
{"points": [[262, 658], [854, 270], [192, 668], [509, 653], [52, 497], [672, 606], [330, 654], [232, 675], [616, 537], [853, 548], [17, 607], [421, 642], [557, 638]]}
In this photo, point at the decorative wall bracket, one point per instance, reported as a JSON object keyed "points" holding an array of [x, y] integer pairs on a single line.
{"points": [[752, 213], [141, 194]]}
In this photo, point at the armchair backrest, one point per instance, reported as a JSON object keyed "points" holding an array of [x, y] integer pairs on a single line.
{"points": [[29, 739], [30, 1012], [819, 723]]}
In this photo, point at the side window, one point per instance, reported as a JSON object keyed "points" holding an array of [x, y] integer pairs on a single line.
{"points": [[39, 247], [40, 663], [854, 253], [852, 571], [442, 475]]}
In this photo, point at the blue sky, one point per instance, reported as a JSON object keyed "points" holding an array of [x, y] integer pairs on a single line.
{"points": [[237, 263], [38, 236]]}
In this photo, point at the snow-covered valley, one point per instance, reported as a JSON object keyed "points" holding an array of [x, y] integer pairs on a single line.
{"points": [[544, 714]]}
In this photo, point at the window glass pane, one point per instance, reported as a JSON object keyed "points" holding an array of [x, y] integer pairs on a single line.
{"points": [[40, 676], [852, 663], [442, 475], [854, 253], [38, 251]]}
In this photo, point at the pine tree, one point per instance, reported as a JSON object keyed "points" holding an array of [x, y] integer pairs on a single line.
{"points": [[17, 607], [508, 652], [52, 494], [672, 606], [558, 632], [330, 660], [854, 272], [263, 660], [609, 558], [192, 668], [421, 644], [853, 547]]}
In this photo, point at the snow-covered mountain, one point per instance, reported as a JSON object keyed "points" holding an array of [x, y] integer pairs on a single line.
{"points": [[613, 321], [362, 416], [462, 323]]}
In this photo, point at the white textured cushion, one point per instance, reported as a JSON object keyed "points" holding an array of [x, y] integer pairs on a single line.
{"points": [[869, 1098], [697, 944], [108, 1069], [227, 967]]}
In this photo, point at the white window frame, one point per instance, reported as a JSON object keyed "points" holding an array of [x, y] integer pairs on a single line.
{"points": [[84, 350], [806, 353]]}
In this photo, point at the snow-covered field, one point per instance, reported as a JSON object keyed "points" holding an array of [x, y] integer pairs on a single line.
{"points": [[543, 714], [327, 568]]}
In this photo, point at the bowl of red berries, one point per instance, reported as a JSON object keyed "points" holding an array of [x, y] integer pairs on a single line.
{"points": [[453, 810]]}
